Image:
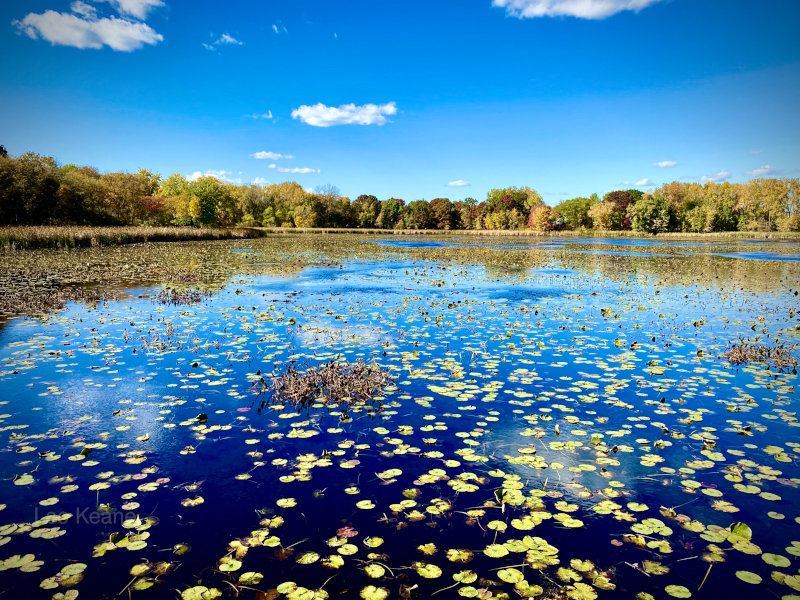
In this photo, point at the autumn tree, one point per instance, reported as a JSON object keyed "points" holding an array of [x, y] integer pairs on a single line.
{"points": [[390, 213], [366, 209], [541, 218], [28, 185], [208, 193], [80, 198], [650, 215], [418, 215], [619, 201], [575, 211], [601, 214], [467, 213], [443, 213], [509, 208]]}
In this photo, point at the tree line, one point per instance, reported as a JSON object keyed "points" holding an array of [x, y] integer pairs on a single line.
{"points": [[34, 190]]}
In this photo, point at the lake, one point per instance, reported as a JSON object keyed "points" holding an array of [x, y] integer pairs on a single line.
{"points": [[562, 421]]}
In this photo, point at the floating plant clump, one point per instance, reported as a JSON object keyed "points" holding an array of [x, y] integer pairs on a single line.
{"points": [[778, 357], [183, 297], [180, 275], [330, 384]]}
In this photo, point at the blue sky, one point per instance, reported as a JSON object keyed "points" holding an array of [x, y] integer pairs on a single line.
{"points": [[401, 99]]}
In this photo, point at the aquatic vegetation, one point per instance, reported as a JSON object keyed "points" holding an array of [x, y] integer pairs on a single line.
{"points": [[332, 383], [73, 236], [180, 297], [778, 357], [346, 418]]}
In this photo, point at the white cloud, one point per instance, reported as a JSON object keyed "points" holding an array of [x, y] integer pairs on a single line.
{"points": [[264, 155], [644, 182], [227, 39], [279, 29], [221, 175], [761, 171], [583, 9], [223, 40], [458, 183], [716, 177], [85, 30], [135, 8], [85, 10], [756, 152], [260, 181], [320, 115], [665, 164], [267, 115], [294, 169]]}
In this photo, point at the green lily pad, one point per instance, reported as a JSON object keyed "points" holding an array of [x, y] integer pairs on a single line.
{"points": [[371, 592], [510, 575], [581, 591], [200, 592], [465, 576], [428, 549], [307, 558], [228, 564], [678, 591], [495, 551], [428, 571], [776, 560], [374, 571], [250, 578], [749, 577]]}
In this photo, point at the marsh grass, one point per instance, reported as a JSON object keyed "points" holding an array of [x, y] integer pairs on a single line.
{"points": [[180, 297], [333, 383], [778, 357], [23, 238]]}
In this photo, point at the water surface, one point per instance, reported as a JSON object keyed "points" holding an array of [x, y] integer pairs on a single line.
{"points": [[561, 413]]}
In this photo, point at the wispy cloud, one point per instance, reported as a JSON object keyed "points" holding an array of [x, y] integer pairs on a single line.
{"points": [[267, 115], [293, 169], [644, 182], [134, 8], [264, 155], [716, 177], [756, 152], [665, 164], [85, 10], [583, 9], [320, 115], [83, 29], [458, 183], [762, 171], [223, 40], [222, 175], [279, 28], [260, 181]]}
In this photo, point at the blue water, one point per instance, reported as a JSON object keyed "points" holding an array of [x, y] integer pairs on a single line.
{"points": [[560, 342]]}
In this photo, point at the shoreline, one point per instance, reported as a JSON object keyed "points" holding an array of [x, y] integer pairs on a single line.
{"points": [[73, 237]]}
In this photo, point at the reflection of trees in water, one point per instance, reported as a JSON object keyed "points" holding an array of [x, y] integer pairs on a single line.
{"points": [[676, 269]]}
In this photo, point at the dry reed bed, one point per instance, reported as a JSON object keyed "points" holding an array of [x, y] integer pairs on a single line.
{"points": [[23, 238]]}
